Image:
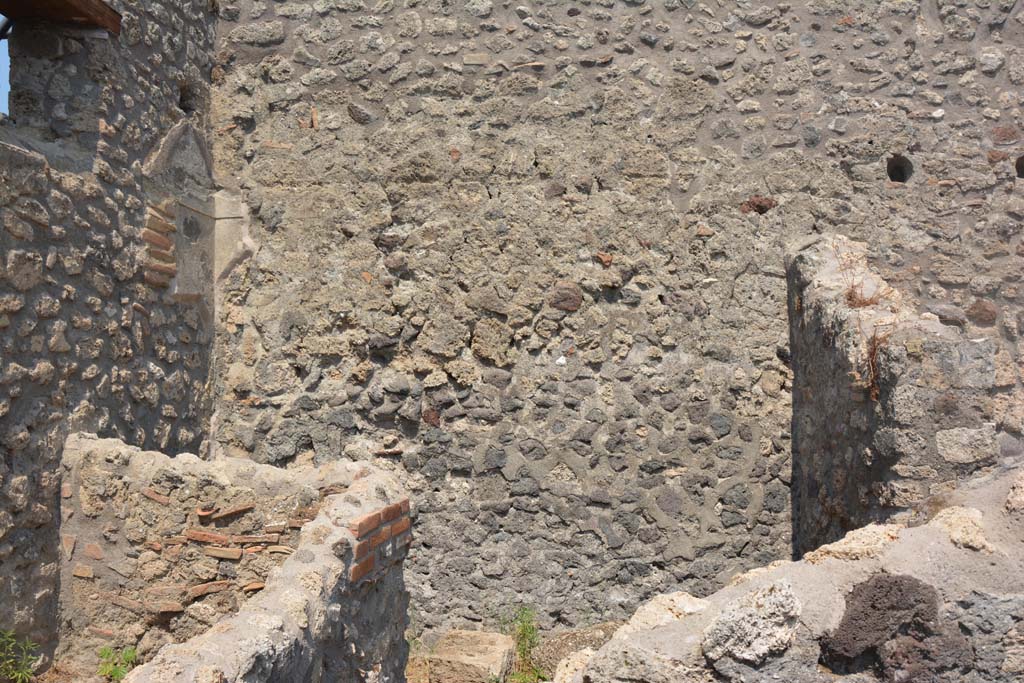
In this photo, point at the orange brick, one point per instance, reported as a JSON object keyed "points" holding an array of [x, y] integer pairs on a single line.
{"points": [[359, 571], [156, 496], [381, 537], [201, 536], [207, 588], [93, 551], [391, 512], [362, 548], [82, 571], [362, 526], [165, 268], [230, 512], [223, 553], [404, 503], [157, 240], [154, 221], [126, 603], [401, 526]]}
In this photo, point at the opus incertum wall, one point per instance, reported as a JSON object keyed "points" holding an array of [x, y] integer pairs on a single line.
{"points": [[531, 255]]}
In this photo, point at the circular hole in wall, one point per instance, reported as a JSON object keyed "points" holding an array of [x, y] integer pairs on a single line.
{"points": [[899, 169], [1020, 167]]}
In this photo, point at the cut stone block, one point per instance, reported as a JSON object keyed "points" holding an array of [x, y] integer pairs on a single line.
{"points": [[470, 657]]}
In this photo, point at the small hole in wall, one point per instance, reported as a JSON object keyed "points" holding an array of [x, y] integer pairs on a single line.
{"points": [[1020, 167], [186, 98], [899, 168]]}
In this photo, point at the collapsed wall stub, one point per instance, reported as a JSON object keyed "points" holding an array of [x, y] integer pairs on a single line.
{"points": [[244, 571], [891, 407]]}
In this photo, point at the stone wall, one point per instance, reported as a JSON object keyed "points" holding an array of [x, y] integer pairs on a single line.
{"points": [[890, 407], [90, 335], [161, 550], [532, 253]]}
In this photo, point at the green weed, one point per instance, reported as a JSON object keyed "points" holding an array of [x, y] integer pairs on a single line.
{"points": [[18, 658], [115, 664]]}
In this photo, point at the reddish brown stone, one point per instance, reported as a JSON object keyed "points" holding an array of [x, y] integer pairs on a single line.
{"points": [[983, 312], [157, 222], [93, 551], [565, 296], [125, 603], [995, 156], [431, 417], [759, 204], [1005, 135]]}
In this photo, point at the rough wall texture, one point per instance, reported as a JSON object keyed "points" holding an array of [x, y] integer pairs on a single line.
{"points": [[88, 333], [532, 253], [890, 406]]}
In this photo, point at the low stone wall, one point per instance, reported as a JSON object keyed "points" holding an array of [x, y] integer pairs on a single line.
{"points": [[890, 406], [158, 550]]}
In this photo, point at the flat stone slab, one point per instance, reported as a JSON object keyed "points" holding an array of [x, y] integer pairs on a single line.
{"points": [[470, 657]]}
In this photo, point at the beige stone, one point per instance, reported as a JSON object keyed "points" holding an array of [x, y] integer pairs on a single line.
{"points": [[859, 544], [470, 657], [964, 528]]}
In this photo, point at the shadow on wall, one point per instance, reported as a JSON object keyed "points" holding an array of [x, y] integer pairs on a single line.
{"points": [[833, 420], [5, 66]]}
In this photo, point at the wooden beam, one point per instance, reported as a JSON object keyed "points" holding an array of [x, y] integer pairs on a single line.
{"points": [[95, 13]]}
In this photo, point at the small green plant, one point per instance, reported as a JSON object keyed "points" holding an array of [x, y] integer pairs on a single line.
{"points": [[115, 664], [526, 636], [17, 658]]}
